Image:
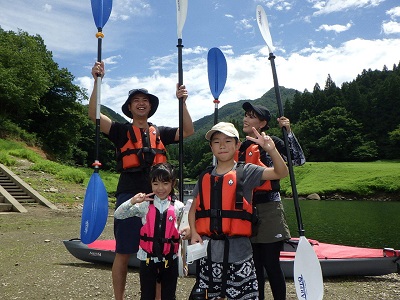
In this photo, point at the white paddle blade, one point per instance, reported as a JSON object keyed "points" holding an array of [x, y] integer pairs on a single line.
{"points": [[262, 22], [181, 12], [183, 268], [307, 272], [182, 251]]}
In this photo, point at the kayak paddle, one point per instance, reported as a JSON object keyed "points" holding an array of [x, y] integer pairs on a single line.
{"points": [[307, 272], [95, 204], [217, 73], [181, 12]]}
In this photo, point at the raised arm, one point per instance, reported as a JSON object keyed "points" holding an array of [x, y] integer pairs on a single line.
{"points": [[105, 122], [296, 152], [188, 129]]}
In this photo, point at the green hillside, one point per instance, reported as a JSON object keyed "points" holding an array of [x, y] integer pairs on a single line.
{"points": [[234, 112]]}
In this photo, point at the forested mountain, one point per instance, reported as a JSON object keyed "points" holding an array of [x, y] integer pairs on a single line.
{"points": [[359, 121]]}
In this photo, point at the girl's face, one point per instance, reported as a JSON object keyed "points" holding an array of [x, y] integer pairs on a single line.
{"points": [[250, 120], [161, 189]]}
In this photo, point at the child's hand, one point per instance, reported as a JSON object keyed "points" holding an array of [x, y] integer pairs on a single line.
{"points": [[141, 197], [185, 233], [263, 140], [195, 238]]}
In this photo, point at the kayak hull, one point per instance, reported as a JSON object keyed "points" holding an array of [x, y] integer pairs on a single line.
{"points": [[335, 260]]}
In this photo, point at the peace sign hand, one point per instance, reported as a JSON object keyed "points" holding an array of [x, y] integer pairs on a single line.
{"points": [[263, 140], [141, 197]]}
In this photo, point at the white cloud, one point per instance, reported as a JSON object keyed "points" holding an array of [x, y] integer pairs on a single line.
{"points": [[127, 9], [65, 27], [245, 24], [391, 27], [331, 6], [140, 51], [337, 28], [394, 12], [250, 76], [47, 7], [278, 4], [112, 60]]}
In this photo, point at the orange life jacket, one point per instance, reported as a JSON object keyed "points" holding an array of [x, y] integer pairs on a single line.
{"points": [[252, 155], [159, 237], [144, 148], [221, 209]]}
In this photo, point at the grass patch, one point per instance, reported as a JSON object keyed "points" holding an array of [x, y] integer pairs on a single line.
{"points": [[72, 175], [361, 178]]}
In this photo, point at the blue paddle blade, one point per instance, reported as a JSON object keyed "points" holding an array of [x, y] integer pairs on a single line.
{"points": [[217, 71], [101, 10], [95, 210]]}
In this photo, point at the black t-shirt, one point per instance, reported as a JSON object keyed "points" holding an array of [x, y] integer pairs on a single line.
{"points": [[135, 182]]}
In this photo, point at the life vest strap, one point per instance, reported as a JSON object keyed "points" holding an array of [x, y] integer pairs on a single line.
{"points": [[219, 213]]}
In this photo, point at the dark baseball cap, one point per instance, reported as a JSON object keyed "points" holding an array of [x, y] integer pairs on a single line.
{"points": [[260, 110]]}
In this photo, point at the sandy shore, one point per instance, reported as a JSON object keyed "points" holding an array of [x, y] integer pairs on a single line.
{"points": [[34, 264]]}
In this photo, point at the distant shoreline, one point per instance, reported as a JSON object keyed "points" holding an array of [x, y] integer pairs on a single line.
{"points": [[352, 197]]}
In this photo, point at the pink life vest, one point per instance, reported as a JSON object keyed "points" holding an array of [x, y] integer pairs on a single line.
{"points": [[159, 237]]}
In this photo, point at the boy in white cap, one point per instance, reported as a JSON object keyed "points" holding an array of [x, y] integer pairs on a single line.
{"points": [[222, 213]]}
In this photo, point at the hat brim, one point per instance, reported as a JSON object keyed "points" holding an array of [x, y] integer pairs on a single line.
{"points": [[153, 102], [248, 106], [266, 115], [211, 132]]}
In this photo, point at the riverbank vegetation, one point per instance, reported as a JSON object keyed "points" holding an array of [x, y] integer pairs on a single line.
{"points": [[362, 180], [357, 122]]}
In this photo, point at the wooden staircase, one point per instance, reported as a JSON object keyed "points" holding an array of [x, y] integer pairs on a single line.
{"points": [[16, 195]]}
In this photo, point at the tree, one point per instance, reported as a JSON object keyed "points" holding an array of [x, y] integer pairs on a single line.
{"points": [[61, 116], [23, 70], [38, 96], [332, 136]]}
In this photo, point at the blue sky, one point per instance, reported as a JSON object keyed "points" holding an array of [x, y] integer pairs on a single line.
{"points": [[312, 39]]}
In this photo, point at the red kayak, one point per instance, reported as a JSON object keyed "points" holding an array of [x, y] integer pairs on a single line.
{"points": [[335, 260]]}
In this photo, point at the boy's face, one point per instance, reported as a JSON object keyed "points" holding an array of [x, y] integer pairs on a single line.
{"points": [[223, 147]]}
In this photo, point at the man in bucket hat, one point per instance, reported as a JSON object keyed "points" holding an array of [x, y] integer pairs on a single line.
{"points": [[139, 145]]}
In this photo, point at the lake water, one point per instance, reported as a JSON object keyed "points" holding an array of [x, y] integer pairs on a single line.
{"points": [[356, 223]]}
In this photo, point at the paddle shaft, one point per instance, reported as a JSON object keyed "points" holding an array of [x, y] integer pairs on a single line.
{"points": [[216, 112], [271, 58], [214, 162], [180, 81], [98, 105]]}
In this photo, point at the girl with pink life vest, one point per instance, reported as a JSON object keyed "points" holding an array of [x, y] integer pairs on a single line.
{"points": [[159, 235]]}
